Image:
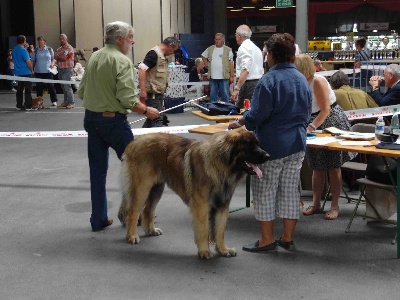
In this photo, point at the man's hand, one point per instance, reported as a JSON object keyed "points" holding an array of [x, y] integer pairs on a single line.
{"points": [[152, 113], [143, 95], [375, 81], [234, 96]]}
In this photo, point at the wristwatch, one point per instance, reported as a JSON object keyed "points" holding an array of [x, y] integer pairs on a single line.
{"points": [[374, 88]]}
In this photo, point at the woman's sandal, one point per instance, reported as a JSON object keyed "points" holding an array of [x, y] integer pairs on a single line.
{"points": [[312, 209], [332, 214]]}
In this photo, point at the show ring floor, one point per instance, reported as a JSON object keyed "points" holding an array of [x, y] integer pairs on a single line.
{"points": [[48, 250]]}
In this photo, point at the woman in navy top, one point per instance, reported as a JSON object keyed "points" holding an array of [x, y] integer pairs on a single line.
{"points": [[279, 114]]}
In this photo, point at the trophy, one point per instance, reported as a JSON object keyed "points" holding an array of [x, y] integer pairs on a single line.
{"points": [[395, 43], [385, 41]]}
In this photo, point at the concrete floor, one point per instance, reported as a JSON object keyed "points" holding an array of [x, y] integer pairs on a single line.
{"points": [[48, 250]]}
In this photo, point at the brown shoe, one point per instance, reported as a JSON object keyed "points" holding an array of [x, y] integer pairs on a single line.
{"points": [[69, 106], [62, 105]]}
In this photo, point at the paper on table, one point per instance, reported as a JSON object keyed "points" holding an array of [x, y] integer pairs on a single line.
{"points": [[357, 136], [335, 130], [53, 70], [322, 141], [355, 143]]}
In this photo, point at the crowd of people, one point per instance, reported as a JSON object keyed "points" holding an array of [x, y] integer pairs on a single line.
{"points": [[289, 99], [42, 62]]}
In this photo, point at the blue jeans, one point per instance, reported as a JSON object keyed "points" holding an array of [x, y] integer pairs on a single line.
{"points": [[223, 86], [66, 74], [103, 133]]}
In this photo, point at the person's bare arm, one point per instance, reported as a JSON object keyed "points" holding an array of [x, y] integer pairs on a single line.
{"points": [[321, 92]]}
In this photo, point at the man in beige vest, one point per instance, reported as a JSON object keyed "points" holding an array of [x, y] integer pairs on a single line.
{"points": [[219, 59], [153, 76]]}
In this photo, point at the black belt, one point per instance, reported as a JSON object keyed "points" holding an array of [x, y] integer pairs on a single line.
{"points": [[252, 80], [151, 94], [333, 105]]}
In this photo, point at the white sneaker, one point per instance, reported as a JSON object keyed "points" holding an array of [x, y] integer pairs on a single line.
{"points": [[13, 90], [54, 104]]}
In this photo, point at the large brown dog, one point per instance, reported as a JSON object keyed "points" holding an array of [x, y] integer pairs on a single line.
{"points": [[203, 173]]}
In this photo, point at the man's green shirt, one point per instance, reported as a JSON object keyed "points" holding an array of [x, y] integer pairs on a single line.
{"points": [[108, 82]]}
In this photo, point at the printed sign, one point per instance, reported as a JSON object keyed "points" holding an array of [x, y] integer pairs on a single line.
{"points": [[263, 29], [374, 26], [284, 3], [319, 45]]}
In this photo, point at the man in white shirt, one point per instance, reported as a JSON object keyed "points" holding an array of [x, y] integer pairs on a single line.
{"points": [[219, 59], [249, 66]]}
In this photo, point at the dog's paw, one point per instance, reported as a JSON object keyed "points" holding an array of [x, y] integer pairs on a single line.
{"points": [[227, 252], [154, 232], [205, 254], [134, 239]]}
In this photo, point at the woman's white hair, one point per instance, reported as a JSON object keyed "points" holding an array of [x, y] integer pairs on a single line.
{"points": [[115, 29]]}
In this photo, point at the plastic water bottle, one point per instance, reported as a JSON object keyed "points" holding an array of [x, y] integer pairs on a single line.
{"points": [[379, 126], [394, 125]]}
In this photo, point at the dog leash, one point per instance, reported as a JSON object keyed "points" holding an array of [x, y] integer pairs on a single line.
{"points": [[168, 109]]}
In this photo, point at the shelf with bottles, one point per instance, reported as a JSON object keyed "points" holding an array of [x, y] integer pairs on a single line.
{"points": [[379, 41]]}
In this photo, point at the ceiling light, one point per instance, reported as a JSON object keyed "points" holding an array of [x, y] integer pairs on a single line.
{"points": [[264, 9], [237, 9], [248, 7], [269, 7]]}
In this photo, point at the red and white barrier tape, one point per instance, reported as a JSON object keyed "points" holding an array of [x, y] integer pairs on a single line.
{"points": [[374, 112], [82, 133]]}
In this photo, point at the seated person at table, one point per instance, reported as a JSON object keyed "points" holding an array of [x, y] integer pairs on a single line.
{"points": [[196, 74], [347, 97], [391, 75], [318, 66]]}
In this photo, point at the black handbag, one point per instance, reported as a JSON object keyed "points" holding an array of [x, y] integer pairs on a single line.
{"points": [[378, 171], [220, 109]]}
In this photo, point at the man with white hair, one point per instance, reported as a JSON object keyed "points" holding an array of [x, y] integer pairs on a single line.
{"points": [[108, 92], [391, 75], [249, 66], [65, 62], [219, 59]]}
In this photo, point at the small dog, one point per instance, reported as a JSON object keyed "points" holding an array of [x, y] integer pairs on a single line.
{"points": [[38, 103]]}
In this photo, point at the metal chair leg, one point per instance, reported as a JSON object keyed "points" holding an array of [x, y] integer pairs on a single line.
{"points": [[362, 189]]}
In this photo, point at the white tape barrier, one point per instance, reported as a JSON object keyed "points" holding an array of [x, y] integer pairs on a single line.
{"points": [[345, 71], [82, 133], [374, 112], [33, 79]]}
